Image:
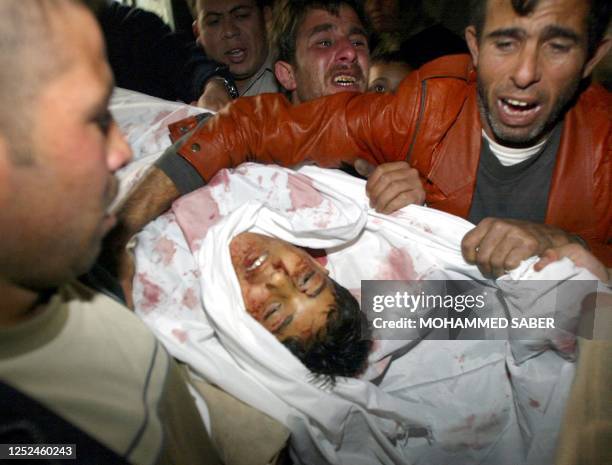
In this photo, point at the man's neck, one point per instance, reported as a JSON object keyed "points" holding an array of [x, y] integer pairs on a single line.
{"points": [[17, 305], [241, 85], [295, 99], [509, 156]]}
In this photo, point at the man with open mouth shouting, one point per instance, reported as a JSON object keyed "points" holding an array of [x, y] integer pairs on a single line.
{"points": [[322, 48], [233, 32]]}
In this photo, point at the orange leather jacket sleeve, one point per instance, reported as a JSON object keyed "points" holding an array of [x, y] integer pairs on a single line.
{"points": [[327, 131]]}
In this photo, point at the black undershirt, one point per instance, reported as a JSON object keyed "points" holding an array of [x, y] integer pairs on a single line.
{"points": [[519, 191]]}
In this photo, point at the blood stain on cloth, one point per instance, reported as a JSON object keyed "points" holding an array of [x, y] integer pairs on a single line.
{"points": [[302, 192], [221, 178], [565, 343], [166, 250], [398, 265], [475, 432], [195, 214], [151, 293], [196, 273], [533, 403], [162, 115], [180, 335], [469, 421], [190, 300]]}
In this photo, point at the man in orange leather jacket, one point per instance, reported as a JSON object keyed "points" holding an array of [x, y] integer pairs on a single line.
{"points": [[523, 88]]}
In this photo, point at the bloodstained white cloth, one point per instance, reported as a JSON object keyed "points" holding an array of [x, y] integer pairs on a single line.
{"points": [[429, 402]]}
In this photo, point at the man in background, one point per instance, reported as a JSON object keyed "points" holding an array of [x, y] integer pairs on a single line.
{"points": [[322, 48], [233, 32], [145, 55]]}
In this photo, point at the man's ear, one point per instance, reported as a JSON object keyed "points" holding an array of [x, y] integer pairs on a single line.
{"points": [[285, 75], [471, 37], [195, 27], [602, 50]]}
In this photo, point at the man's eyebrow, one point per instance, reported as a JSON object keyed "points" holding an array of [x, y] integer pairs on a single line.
{"points": [[232, 11], [320, 28], [211, 13], [514, 32], [550, 32], [241, 7], [553, 32], [103, 104], [357, 30]]}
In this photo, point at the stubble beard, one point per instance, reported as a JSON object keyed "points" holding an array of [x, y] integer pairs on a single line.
{"points": [[508, 137]]}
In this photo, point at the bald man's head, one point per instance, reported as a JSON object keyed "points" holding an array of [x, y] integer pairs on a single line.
{"points": [[31, 56]]}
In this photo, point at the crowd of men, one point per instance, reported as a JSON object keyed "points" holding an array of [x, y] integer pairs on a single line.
{"points": [[513, 136]]}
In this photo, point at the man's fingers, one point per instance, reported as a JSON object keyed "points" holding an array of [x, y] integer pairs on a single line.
{"points": [[497, 246], [393, 186], [394, 197], [215, 96], [508, 256], [500, 259], [549, 256], [470, 244], [364, 168], [213, 104], [400, 201], [579, 255], [378, 184], [389, 172], [488, 248]]}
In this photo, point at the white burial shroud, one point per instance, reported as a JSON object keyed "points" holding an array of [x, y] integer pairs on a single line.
{"points": [[452, 402]]}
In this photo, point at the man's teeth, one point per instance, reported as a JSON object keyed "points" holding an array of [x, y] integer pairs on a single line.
{"points": [[236, 51], [258, 262], [518, 103], [345, 80]]}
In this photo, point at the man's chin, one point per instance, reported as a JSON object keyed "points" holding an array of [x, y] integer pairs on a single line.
{"points": [[243, 71], [516, 141], [518, 137]]}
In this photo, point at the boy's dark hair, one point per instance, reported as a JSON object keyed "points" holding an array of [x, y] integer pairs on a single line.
{"points": [[388, 57], [288, 17], [342, 347], [597, 19]]}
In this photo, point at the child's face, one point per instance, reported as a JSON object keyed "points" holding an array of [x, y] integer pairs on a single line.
{"points": [[385, 77]]}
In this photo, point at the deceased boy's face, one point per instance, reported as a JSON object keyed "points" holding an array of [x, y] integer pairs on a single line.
{"points": [[283, 287]]}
